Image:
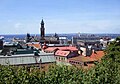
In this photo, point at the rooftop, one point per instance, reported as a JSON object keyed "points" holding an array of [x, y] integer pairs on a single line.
{"points": [[36, 45], [22, 59], [61, 48], [93, 57], [62, 53]]}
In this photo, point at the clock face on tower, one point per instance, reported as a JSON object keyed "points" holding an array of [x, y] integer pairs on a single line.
{"points": [[42, 29]]}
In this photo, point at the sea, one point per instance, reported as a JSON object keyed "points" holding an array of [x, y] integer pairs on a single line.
{"points": [[9, 37]]}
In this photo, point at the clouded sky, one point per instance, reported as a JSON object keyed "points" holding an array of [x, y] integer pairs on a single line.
{"points": [[60, 16]]}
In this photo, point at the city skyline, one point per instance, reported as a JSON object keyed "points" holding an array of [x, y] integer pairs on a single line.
{"points": [[63, 16]]}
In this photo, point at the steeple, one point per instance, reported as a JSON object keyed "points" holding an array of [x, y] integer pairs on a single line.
{"points": [[42, 22]]}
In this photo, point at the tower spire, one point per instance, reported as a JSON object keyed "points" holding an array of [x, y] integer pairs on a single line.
{"points": [[42, 22]]}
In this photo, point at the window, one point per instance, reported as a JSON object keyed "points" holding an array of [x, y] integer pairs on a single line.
{"points": [[56, 58], [59, 58]]}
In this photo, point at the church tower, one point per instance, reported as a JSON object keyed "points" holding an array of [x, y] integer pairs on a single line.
{"points": [[42, 30]]}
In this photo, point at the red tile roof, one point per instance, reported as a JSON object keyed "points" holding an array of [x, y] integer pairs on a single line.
{"points": [[93, 57], [68, 48], [62, 53], [35, 45], [50, 49], [98, 55], [81, 59]]}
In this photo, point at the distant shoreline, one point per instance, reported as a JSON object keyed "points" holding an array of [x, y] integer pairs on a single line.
{"points": [[67, 34]]}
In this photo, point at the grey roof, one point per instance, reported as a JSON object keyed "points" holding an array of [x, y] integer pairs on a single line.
{"points": [[50, 38], [44, 53], [27, 59]]}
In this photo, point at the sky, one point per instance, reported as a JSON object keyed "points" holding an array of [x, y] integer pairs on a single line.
{"points": [[60, 16]]}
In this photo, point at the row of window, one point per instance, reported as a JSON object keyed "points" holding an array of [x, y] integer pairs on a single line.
{"points": [[60, 58], [73, 62]]}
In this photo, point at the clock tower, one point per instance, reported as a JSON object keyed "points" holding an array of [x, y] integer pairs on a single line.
{"points": [[42, 30]]}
